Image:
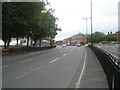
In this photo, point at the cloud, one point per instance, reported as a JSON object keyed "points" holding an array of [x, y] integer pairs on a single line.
{"points": [[71, 12]]}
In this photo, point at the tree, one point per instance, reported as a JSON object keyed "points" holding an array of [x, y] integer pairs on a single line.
{"points": [[49, 25], [7, 23], [111, 38], [18, 18], [26, 19], [96, 37]]}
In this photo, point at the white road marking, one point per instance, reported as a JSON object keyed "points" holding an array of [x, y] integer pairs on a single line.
{"points": [[36, 52], [28, 72], [26, 55], [64, 54], [115, 56], [117, 52], [112, 54], [70, 51], [79, 80], [3, 66], [54, 60], [38, 67], [113, 51], [60, 57], [114, 48], [25, 61]]}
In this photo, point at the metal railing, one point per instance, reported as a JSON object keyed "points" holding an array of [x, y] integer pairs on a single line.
{"points": [[111, 67]]}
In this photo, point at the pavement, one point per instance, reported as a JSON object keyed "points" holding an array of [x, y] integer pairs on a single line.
{"points": [[94, 76], [68, 67]]}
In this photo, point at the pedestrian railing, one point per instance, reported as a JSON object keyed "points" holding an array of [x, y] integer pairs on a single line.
{"points": [[111, 67]]}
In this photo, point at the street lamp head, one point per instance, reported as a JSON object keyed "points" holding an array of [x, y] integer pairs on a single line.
{"points": [[85, 18], [43, 11]]}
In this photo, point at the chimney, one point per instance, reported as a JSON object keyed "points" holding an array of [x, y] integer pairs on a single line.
{"points": [[111, 33]]}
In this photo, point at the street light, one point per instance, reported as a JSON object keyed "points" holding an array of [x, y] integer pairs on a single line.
{"points": [[86, 28], [86, 24]]}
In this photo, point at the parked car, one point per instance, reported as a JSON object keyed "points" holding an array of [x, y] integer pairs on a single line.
{"points": [[78, 45], [86, 44], [63, 45]]}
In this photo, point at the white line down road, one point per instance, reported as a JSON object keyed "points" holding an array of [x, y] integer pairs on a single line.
{"points": [[54, 60], [28, 72], [4, 67], [25, 60], [79, 80]]}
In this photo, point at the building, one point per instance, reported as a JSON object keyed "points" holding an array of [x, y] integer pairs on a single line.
{"points": [[118, 35], [76, 39]]}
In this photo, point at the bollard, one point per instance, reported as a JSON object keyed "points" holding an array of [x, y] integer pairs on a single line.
{"points": [[5, 51]]}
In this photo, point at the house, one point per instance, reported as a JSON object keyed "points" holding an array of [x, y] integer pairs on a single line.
{"points": [[76, 39]]}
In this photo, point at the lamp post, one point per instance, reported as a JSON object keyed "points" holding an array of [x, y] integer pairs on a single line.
{"points": [[86, 28]]}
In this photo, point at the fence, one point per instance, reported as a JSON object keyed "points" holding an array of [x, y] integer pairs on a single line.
{"points": [[110, 66], [18, 50]]}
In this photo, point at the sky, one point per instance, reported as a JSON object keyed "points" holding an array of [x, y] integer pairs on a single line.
{"points": [[71, 12]]}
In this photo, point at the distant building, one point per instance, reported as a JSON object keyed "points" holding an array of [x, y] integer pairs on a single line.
{"points": [[76, 39], [118, 35]]}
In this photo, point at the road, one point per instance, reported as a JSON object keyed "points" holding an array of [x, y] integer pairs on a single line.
{"points": [[53, 68], [113, 50]]}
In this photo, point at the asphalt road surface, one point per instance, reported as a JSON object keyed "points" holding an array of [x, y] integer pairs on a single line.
{"points": [[53, 68], [113, 50]]}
